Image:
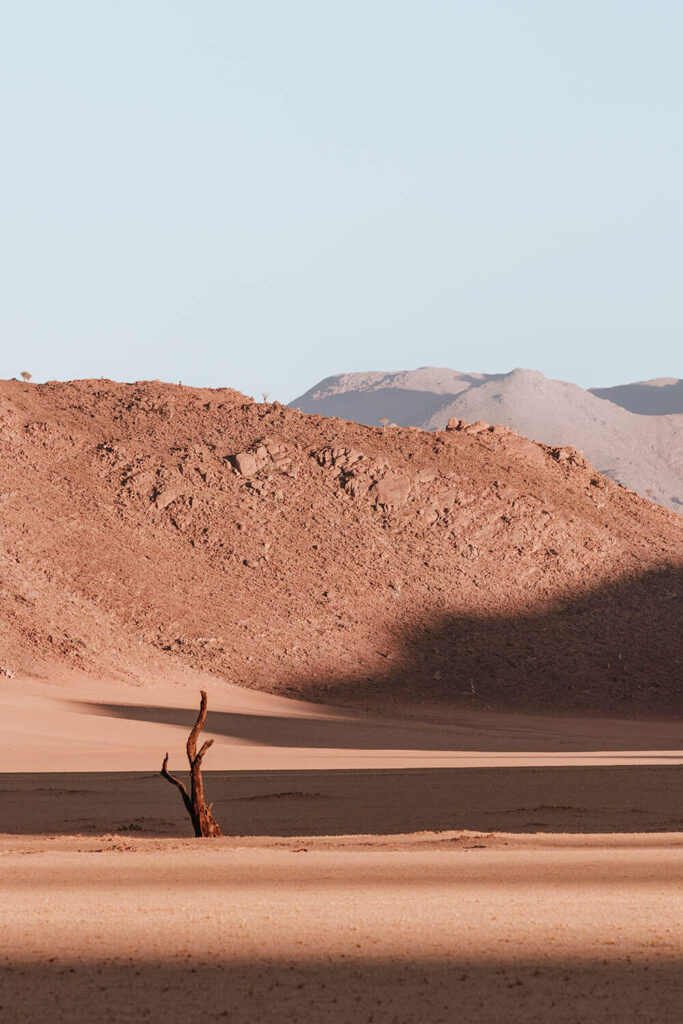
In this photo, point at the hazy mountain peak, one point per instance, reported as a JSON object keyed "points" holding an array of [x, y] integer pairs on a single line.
{"points": [[633, 432], [662, 396]]}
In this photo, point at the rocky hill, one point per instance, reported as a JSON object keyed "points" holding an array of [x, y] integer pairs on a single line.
{"points": [[147, 527], [632, 433]]}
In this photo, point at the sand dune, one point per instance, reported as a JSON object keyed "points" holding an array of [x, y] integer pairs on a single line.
{"points": [[71, 724]]}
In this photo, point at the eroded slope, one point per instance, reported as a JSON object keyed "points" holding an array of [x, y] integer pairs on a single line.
{"points": [[148, 526]]}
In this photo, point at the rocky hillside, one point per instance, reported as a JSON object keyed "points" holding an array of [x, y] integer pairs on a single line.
{"points": [[146, 528], [632, 433]]}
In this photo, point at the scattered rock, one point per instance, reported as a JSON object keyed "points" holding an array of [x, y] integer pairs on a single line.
{"points": [[391, 491], [570, 455], [164, 497], [246, 463]]}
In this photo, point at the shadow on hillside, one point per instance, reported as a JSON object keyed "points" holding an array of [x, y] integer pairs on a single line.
{"points": [[611, 651], [616, 650]]}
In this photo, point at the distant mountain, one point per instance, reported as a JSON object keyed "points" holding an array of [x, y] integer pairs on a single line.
{"points": [[660, 397], [632, 433]]}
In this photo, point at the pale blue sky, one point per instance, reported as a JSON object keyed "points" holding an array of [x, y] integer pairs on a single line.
{"points": [[259, 194]]}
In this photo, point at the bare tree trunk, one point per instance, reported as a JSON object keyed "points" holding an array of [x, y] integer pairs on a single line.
{"points": [[203, 821]]}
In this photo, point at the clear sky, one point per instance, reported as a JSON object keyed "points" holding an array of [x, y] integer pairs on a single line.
{"points": [[261, 193]]}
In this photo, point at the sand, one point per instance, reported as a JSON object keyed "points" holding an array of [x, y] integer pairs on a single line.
{"points": [[466, 866], [70, 722], [428, 928], [420, 835]]}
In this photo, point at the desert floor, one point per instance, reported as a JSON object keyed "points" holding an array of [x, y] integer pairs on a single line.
{"points": [[462, 866]]}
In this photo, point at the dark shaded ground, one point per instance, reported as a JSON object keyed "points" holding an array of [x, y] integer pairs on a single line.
{"points": [[381, 802], [343, 992]]}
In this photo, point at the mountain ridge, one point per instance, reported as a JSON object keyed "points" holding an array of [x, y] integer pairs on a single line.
{"points": [[642, 451]]}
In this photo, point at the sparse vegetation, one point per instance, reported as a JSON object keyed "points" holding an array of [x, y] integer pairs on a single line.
{"points": [[385, 421], [26, 376]]}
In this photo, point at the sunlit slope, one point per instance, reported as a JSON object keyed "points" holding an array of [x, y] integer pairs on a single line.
{"points": [[147, 526]]}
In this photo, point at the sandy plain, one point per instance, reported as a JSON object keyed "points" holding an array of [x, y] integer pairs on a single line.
{"points": [[452, 866]]}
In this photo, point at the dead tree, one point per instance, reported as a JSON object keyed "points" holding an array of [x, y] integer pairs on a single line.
{"points": [[203, 821]]}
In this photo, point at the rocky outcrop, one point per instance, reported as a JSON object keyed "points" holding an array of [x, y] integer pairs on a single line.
{"points": [[608, 425]]}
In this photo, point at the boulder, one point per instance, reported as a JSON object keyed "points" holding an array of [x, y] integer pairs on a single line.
{"points": [[391, 491], [571, 455], [245, 463], [164, 497]]}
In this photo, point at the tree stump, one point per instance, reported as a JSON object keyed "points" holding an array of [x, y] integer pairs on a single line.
{"points": [[203, 821]]}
